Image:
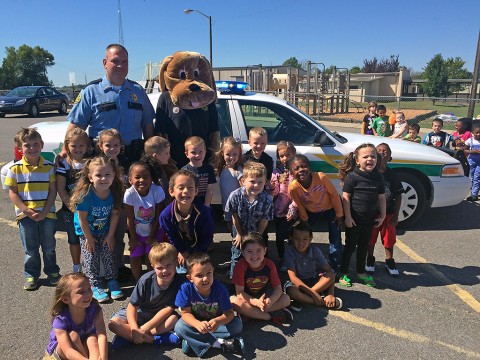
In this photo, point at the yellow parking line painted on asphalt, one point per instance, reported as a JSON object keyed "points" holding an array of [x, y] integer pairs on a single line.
{"points": [[404, 334], [464, 295], [14, 224], [2, 163]]}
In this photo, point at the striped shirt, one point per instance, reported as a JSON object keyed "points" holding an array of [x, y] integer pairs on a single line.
{"points": [[32, 183]]}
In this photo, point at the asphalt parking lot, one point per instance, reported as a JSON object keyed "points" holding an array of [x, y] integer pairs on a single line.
{"points": [[431, 311]]}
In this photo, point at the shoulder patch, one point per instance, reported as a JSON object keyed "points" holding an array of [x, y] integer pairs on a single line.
{"points": [[78, 98], [97, 81], [134, 82]]}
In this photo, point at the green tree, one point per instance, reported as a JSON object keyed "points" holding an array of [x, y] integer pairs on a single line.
{"points": [[355, 70], [457, 71], [293, 62], [25, 66], [436, 76]]}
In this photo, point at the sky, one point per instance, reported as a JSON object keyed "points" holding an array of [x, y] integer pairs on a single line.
{"points": [[245, 32]]}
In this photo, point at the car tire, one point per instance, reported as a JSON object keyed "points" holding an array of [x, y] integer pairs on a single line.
{"points": [[63, 108], [2, 115], [414, 199], [33, 111]]}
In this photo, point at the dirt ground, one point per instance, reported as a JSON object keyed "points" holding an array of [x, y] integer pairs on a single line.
{"points": [[356, 116]]}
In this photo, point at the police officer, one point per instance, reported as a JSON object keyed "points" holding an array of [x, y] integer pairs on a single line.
{"points": [[115, 102]]}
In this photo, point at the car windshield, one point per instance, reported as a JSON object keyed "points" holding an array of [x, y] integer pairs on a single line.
{"points": [[22, 91]]}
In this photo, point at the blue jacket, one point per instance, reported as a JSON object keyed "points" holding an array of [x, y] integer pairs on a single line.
{"points": [[201, 227]]}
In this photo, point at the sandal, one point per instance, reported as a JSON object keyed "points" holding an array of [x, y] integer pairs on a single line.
{"points": [[367, 280], [345, 281]]}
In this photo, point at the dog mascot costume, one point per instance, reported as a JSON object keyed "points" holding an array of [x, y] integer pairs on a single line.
{"points": [[186, 106]]}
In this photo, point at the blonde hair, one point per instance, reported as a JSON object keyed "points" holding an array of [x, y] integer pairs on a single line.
{"points": [[194, 141], [162, 251], [218, 161], [254, 169], [26, 134], [257, 130], [76, 134], [114, 133], [282, 144], [83, 185], [155, 144]]}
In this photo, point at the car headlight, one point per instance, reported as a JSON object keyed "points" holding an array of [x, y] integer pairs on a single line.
{"points": [[452, 170], [20, 102]]}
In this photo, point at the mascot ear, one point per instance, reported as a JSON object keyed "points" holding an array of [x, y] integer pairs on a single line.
{"points": [[163, 67], [212, 84]]}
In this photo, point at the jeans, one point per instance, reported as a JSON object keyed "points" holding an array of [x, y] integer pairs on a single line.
{"points": [[200, 343], [474, 175], [236, 252], [334, 235], [36, 234]]}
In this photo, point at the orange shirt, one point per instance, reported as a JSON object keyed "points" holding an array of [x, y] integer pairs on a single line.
{"points": [[392, 119], [320, 196]]}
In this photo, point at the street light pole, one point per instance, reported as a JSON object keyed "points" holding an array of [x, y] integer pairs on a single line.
{"points": [[188, 11]]}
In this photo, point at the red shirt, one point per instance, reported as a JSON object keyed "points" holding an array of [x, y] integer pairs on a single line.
{"points": [[256, 282]]}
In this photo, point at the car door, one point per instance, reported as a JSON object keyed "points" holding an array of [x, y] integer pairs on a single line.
{"points": [[53, 99], [42, 100]]}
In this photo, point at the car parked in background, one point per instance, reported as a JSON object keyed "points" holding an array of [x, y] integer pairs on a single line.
{"points": [[33, 100]]}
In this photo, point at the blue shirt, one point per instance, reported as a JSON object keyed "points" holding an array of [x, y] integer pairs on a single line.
{"points": [[101, 106], [217, 303], [99, 213]]}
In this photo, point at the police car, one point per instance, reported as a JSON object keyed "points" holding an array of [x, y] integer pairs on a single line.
{"points": [[430, 177]]}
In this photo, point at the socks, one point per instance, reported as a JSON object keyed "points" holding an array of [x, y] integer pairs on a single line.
{"points": [[218, 343], [169, 338]]}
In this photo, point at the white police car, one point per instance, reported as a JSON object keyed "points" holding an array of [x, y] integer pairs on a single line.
{"points": [[430, 177]]}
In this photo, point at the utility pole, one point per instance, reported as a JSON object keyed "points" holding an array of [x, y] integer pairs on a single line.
{"points": [[473, 91], [120, 26]]}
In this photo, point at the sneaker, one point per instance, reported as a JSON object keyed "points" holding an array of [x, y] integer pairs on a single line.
{"points": [[118, 343], [185, 347], [344, 280], [115, 289], [54, 278], [283, 316], [367, 280], [30, 284], [99, 294], [391, 267], [370, 266], [235, 345], [472, 198], [169, 338], [295, 306]]}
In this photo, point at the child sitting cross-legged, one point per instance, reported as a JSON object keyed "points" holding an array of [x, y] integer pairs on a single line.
{"points": [[149, 316], [258, 288], [312, 280]]}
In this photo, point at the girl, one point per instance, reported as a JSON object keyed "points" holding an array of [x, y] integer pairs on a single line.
{"points": [[472, 149], [144, 201], [462, 133], [110, 144], [78, 327], [96, 201], [368, 119], [400, 128], [228, 166], [364, 205], [77, 145], [285, 209]]}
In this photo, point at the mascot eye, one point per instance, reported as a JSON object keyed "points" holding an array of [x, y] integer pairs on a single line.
{"points": [[196, 73], [183, 74]]}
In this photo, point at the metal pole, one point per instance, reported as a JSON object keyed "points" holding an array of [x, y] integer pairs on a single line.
{"points": [[473, 91], [210, 20]]}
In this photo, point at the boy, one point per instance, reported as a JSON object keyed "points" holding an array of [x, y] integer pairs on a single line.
{"points": [[188, 224], [195, 151], [380, 125], [257, 139], [32, 189], [308, 270], [250, 206], [207, 318], [388, 228], [150, 316], [413, 131], [437, 137], [258, 288]]}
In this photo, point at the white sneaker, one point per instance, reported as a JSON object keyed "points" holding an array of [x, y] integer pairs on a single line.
{"points": [[391, 267], [370, 265]]}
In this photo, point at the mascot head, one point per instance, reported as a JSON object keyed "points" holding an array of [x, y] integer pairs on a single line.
{"points": [[189, 79]]}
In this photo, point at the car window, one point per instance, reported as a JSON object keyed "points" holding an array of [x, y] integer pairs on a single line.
{"points": [[224, 120], [41, 92], [49, 92], [280, 122]]}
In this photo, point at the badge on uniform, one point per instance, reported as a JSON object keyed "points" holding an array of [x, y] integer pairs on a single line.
{"points": [[78, 98], [176, 110], [134, 97]]}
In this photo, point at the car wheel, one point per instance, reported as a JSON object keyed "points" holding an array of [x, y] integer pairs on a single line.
{"points": [[2, 115], [414, 199], [33, 112], [63, 108]]}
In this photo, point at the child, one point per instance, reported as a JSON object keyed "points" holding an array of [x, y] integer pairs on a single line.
{"points": [[413, 131], [250, 206], [392, 120], [368, 119], [207, 318], [143, 201], [34, 210], [78, 327], [437, 137], [188, 224], [308, 270], [158, 148], [96, 201], [77, 144], [150, 314], [195, 151], [364, 204], [317, 199], [393, 198], [463, 128], [284, 209], [472, 149], [258, 288], [400, 128], [380, 125], [257, 139]]}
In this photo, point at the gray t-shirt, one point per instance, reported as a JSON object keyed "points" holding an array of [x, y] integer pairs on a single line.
{"points": [[305, 266]]}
